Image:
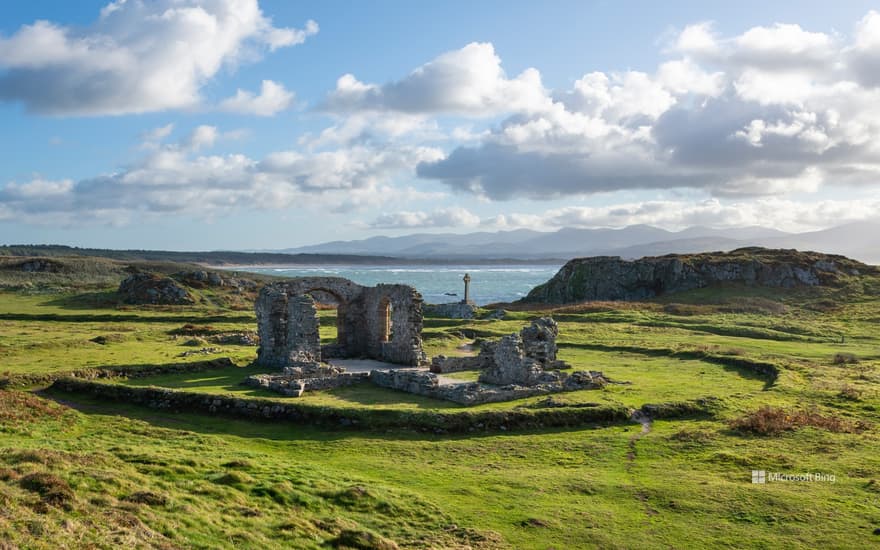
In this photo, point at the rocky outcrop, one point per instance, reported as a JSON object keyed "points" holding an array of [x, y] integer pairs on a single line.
{"points": [[152, 289], [200, 279], [612, 278]]}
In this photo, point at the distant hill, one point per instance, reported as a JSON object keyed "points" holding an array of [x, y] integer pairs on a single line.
{"points": [[856, 240], [220, 258]]}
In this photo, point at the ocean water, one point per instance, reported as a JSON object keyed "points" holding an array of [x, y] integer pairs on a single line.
{"points": [[438, 284]]}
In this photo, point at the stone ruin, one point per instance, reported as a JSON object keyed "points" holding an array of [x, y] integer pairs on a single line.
{"points": [[382, 322], [385, 323]]}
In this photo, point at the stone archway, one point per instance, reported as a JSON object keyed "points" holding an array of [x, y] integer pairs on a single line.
{"points": [[382, 322]]}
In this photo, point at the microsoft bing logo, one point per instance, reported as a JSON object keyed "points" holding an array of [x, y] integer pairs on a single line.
{"points": [[759, 476]]}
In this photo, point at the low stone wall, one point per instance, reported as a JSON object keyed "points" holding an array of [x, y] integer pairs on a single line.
{"points": [[292, 386], [441, 364], [346, 418], [454, 310], [427, 384]]}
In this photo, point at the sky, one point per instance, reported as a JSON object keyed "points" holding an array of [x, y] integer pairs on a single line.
{"points": [[238, 124]]}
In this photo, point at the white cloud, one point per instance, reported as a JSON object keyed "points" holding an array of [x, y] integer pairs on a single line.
{"points": [[469, 81], [782, 214], [773, 111], [442, 217], [175, 179], [202, 137], [156, 135], [139, 56], [272, 99]]}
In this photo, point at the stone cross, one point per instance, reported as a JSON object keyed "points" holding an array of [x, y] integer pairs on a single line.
{"points": [[467, 282]]}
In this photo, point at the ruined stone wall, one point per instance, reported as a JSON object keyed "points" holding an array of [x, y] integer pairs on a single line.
{"points": [[525, 358], [291, 326], [271, 309], [454, 310], [303, 339], [473, 393], [441, 364], [404, 346]]}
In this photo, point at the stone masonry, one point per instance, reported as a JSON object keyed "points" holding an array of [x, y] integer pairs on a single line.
{"points": [[382, 322]]}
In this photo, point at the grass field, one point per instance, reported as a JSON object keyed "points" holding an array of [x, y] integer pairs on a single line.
{"points": [[76, 471]]}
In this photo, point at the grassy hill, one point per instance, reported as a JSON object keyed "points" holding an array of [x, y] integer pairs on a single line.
{"points": [[737, 378]]}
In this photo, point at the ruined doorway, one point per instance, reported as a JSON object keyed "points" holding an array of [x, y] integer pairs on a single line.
{"points": [[331, 317]]}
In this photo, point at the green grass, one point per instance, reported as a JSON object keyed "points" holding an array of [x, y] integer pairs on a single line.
{"points": [[222, 482]]}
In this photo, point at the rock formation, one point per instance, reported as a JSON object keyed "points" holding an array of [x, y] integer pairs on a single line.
{"points": [[149, 288], [612, 278]]}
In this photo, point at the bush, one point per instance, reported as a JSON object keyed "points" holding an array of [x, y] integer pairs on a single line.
{"points": [[845, 359], [53, 490]]}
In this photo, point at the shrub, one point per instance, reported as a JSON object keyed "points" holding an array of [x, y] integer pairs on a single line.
{"points": [[51, 488], [845, 359]]}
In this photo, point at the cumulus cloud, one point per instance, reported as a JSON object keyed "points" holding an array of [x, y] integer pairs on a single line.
{"points": [[138, 56], [469, 81], [272, 99], [176, 179], [441, 217], [773, 111]]}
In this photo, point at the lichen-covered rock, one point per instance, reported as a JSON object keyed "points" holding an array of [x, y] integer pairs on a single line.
{"points": [[149, 288], [201, 279], [612, 278]]}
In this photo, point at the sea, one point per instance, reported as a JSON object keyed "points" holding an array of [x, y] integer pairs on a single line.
{"points": [[437, 284]]}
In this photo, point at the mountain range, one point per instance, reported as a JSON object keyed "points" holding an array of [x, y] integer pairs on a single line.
{"points": [[860, 241]]}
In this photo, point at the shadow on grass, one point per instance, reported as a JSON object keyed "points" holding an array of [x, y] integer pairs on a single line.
{"points": [[224, 380], [277, 430], [105, 299]]}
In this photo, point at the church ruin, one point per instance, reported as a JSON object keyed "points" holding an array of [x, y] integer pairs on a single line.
{"points": [[383, 322]]}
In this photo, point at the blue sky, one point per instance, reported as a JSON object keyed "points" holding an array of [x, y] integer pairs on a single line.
{"points": [[186, 124]]}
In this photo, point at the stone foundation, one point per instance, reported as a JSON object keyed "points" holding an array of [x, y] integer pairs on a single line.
{"points": [[474, 393], [291, 386]]}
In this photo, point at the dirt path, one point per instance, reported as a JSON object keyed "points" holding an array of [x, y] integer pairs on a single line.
{"points": [[640, 417], [643, 419]]}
